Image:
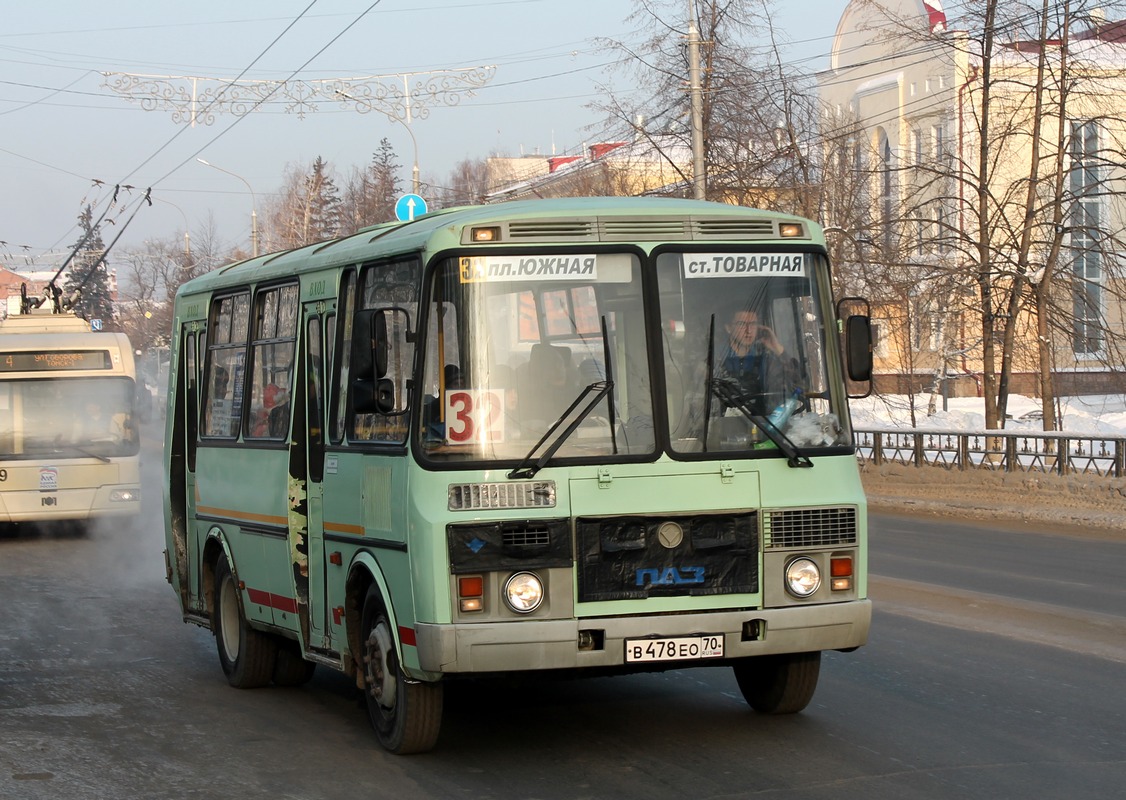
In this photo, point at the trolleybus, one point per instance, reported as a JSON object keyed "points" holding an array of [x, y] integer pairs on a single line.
{"points": [[505, 439], [69, 445]]}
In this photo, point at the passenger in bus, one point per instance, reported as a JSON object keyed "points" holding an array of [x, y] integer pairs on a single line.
{"points": [[753, 360], [272, 420]]}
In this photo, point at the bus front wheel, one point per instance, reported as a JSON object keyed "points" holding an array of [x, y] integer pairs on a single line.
{"points": [[778, 684], [405, 714], [246, 655]]}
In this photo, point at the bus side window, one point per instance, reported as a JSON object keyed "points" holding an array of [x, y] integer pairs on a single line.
{"points": [[339, 408], [271, 352], [393, 284], [226, 365]]}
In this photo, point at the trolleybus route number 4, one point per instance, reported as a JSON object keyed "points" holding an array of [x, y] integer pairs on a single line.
{"points": [[674, 649]]}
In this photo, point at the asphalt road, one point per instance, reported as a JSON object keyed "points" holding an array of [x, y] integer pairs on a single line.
{"points": [[995, 670]]}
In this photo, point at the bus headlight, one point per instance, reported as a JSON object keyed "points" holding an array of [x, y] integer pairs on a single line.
{"points": [[802, 577], [523, 592]]}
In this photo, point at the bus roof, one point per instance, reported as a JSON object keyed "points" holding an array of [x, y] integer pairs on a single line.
{"points": [[43, 322], [440, 230]]}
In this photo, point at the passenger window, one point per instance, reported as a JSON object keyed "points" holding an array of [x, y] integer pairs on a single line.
{"points": [[271, 386], [226, 364]]}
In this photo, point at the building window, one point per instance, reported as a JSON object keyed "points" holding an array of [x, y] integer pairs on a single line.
{"points": [[938, 136], [887, 187], [1086, 219]]}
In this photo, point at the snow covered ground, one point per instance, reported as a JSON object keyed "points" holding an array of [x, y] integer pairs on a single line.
{"points": [[1105, 414]]}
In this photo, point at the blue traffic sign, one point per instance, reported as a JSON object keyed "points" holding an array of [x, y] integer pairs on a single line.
{"points": [[95, 324], [409, 206]]}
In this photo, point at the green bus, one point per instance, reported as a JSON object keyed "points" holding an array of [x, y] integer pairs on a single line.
{"points": [[513, 438]]}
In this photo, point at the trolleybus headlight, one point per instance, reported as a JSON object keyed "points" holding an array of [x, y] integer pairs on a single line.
{"points": [[523, 592], [802, 577], [124, 496]]}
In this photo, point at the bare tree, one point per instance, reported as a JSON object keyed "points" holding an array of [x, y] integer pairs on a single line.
{"points": [[467, 184], [756, 113]]}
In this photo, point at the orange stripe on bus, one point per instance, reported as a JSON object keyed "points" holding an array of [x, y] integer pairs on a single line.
{"points": [[242, 515], [343, 527]]}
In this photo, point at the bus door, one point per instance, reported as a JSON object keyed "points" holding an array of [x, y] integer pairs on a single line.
{"points": [[310, 439], [182, 479]]}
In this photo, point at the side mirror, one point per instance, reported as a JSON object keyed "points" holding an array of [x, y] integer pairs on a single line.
{"points": [[858, 348], [369, 344], [374, 390]]}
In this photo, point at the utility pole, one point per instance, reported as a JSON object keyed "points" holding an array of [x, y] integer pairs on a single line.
{"points": [[699, 177]]}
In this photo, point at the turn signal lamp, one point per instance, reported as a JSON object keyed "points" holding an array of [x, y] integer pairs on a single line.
{"points": [[790, 230], [470, 591], [484, 234], [840, 573]]}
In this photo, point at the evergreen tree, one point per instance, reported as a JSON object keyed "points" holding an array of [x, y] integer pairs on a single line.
{"points": [[322, 204], [88, 275], [384, 186]]}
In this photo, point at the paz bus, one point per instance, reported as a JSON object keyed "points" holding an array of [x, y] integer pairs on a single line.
{"points": [[500, 439], [69, 445]]}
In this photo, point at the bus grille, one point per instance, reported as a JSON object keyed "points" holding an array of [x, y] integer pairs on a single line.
{"points": [[509, 545], [735, 229], [482, 496], [527, 538], [809, 527], [546, 230], [635, 557], [630, 229]]}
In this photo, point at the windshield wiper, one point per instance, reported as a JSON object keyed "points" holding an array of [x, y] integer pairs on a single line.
{"points": [[730, 395], [86, 452], [525, 469]]}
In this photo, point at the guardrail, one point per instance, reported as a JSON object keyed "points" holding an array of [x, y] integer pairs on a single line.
{"points": [[1059, 453]]}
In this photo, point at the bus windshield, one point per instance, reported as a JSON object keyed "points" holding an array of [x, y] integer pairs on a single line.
{"points": [[69, 417], [743, 339], [521, 347], [514, 341]]}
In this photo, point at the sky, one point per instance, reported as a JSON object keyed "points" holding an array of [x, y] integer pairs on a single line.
{"points": [[67, 137]]}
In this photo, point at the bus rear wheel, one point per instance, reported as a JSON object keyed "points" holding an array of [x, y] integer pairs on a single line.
{"points": [[246, 655], [405, 714], [778, 684]]}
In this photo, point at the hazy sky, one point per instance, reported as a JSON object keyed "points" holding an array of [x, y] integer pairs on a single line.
{"points": [[62, 128]]}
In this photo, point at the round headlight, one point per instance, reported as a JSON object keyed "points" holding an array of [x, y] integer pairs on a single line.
{"points": [[802, 577], [523, 592]]}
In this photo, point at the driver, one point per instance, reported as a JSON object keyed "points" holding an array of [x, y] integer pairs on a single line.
{"points": [[753, 359]]}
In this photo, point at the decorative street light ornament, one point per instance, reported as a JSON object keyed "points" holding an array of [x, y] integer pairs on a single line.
{"points": [[401, 96]]}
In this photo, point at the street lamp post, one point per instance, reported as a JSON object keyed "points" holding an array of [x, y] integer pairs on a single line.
{"points": [[187, 233], [253, 204], [415, 185]]}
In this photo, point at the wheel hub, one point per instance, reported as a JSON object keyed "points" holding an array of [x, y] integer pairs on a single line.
{"points": [[379, 667]]}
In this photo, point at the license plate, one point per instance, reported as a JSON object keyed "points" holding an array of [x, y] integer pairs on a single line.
{"points": [[676, 648]]}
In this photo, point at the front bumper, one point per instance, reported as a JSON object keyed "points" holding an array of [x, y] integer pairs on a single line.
{"points": [[528, 645]]}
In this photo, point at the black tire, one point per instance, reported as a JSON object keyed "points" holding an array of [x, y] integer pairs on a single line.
{"points": [[778, 684], [246, 655], [406, 714], [290, 669]]}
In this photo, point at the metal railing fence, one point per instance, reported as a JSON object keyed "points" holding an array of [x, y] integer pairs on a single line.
{"points": [[1059, 452]]}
